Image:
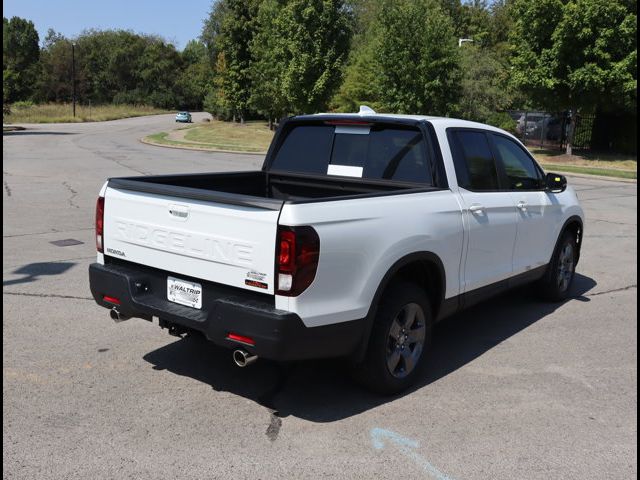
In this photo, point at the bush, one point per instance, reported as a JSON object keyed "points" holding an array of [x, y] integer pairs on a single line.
{"points": [[129, 97], [215, 104], [502, 120], [22, 104], [162, 99]]}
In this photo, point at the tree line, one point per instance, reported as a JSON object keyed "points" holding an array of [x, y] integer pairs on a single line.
{"points": [[270, 58], [111, 66]]}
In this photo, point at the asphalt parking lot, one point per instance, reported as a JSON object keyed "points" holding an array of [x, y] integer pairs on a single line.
{"points": [[515, 389]]}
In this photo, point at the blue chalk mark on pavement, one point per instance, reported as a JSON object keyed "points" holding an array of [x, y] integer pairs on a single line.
{"points": [[381, 437]]}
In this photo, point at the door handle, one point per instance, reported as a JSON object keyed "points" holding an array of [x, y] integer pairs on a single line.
{"points": [[522, 205], [476, 208]]}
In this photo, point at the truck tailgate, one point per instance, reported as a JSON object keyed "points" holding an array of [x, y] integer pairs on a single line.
{"points": [[228, 243]]}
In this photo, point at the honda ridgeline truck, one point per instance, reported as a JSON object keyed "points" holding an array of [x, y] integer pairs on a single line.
{"points": [[360, 232]]}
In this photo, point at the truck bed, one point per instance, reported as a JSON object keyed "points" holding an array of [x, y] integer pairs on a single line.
{"points": [[258, 188]]}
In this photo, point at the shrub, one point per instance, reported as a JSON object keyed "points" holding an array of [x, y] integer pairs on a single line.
{"points": [[502, 120], [22, 104]]}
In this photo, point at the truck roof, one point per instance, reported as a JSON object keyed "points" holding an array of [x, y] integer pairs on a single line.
{"points": [[367, 113]]}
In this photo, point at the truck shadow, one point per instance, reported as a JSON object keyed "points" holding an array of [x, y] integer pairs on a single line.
{"points": [[322, 391], [33, 271]]}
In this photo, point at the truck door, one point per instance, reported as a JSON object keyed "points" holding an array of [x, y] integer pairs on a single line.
{"points": [[489, 212], [537, 214]]}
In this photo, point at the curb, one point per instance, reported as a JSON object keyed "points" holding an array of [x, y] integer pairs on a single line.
{"points": [[597, 177], [199, 149], [12, 128]]}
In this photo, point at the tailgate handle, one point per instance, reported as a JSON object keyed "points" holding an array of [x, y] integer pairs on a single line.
{"points": [[179, 212]]}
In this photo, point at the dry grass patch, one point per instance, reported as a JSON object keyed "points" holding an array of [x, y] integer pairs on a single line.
{"points": [[63, 113]]}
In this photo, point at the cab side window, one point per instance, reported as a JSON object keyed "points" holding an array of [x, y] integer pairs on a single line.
{"points": [[473, 160], [521, 171]]}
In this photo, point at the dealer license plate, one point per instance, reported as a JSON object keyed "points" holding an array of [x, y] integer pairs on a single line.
{"points": [[184, 293]]}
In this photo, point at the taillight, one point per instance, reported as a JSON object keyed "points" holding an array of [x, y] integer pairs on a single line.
{"points": [[298, 253], [100, 224]]}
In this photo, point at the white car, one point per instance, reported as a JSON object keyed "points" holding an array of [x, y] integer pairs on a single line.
{"points": [[360, 232]]}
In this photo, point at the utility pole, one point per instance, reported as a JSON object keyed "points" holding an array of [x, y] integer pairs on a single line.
{"points": [[73, 76]]}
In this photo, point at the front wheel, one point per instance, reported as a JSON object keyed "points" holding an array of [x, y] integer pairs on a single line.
{"points": [[400, 337], [556, 283]]}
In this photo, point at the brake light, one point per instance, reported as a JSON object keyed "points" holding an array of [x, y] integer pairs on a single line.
{"points": [[100, 224], [286, 257], [298, 254], [348, 122]]}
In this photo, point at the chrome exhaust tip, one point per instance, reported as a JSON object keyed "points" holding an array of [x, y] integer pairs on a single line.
{"points": [[116, 316], [243, 358]]}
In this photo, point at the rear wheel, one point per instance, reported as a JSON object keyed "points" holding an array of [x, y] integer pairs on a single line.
{"points": [[400, 336], [556, 283]]}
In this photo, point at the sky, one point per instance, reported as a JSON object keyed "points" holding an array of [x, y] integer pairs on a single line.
{"points": [[176, 21]]}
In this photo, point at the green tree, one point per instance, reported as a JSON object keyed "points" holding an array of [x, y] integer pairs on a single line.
{"points": [[211, 30], [316, 36], [215, 101], [236, 33], [20, 55], [195, 77], [418, 58], [360, 85], [484, 84], [269, 62], [112, 66], [298, 54], [578, 55]]}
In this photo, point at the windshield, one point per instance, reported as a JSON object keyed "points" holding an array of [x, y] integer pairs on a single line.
{"points": [[371, 151]]}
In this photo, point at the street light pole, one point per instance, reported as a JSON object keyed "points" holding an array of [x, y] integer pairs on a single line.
{"points": [[73, 75]]}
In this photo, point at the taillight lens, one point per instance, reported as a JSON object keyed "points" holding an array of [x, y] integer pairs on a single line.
{"points": [[298, 254], [100, 224]]}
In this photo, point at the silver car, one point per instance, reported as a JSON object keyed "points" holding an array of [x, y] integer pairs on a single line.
{"points": [[183, 117]]}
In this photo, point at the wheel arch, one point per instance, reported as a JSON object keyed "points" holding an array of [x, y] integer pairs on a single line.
{"points": [[575, 225], [424, 268]]}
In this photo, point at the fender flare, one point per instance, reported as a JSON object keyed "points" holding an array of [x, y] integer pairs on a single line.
{"points": [[572, 219], [429, 257]]}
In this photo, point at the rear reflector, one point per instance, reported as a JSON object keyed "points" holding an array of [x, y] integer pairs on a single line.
{"points": [[241, 338], [111, 299]]}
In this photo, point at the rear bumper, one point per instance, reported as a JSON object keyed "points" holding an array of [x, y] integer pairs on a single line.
{"points": [[278, 335]]}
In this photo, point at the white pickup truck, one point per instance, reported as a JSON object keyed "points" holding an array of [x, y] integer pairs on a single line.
{"points": [[360, 232]]}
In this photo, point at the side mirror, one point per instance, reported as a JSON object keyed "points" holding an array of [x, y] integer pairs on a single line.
{"points": [[555, 182]]}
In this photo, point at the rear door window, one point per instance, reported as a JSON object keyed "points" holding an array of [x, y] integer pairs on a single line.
{"points": [[373, 152], [473, 160]]}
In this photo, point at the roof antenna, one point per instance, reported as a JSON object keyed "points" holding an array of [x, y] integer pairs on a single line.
{"points": [[364, 110]]}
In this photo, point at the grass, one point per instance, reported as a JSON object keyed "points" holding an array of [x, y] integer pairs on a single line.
{"points": [[605, 172], [63, 113], [608, 165], [250, 137], [216, 135]]}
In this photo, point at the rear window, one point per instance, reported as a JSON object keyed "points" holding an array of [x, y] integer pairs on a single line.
{"points": [[372, 152]]}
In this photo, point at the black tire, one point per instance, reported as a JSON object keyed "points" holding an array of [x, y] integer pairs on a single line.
{"points": [[556, 283], [398, 303]]}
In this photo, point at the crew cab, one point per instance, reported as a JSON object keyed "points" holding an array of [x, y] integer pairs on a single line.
{"points": [[359, 233]]}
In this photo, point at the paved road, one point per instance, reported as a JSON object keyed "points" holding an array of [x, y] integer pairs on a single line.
{"points": [[515, 388]]}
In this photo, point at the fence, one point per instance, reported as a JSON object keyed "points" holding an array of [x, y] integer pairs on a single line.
{"points": [[611, 133], [547, 130]]}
